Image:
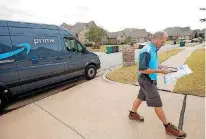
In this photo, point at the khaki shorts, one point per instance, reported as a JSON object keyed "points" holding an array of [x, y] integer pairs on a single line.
{"points": [[148, 92]]}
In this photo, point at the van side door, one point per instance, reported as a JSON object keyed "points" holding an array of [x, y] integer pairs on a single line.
{"points": [[8, 70], [39, 64]]}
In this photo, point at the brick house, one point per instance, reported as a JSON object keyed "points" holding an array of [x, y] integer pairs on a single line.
{"points": [[79, 29], [176, 32]]}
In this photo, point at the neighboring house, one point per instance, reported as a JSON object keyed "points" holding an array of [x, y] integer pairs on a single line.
{"points": [[201, 33], [189, 35], [176, 32], [138, 35], [150, 36], [79, 29], [105, 39], [116, 37]]}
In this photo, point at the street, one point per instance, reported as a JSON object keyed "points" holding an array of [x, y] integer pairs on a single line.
{"points": [[115, 59]]}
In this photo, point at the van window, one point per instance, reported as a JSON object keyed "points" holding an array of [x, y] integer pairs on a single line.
{"points": [[73, 45]]}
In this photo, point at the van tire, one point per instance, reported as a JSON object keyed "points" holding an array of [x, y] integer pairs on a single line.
{"points": [[3, 101], [90, 72]]}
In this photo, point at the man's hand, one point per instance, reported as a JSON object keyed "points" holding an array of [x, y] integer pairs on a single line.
{"points": [[164, 71]]}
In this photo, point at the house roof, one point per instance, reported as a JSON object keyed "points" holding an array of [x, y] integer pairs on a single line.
{"points": [[202, 31], [133, 33], [178, 31], [198, 30], [78, 26], [137, 34], [115, 34], [188, 32]]}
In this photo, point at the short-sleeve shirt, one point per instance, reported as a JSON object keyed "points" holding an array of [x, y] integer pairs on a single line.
{"points": [[148, 58]]}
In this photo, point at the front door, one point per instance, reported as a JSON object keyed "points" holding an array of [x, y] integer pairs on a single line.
{"points": [[75, 58]]}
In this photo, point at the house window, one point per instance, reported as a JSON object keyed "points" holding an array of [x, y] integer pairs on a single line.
{"points": [[170, 37]]}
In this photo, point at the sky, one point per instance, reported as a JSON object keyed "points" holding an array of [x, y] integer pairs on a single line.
{"points": [[112, 15]]}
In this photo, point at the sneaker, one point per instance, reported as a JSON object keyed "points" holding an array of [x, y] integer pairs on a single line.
{"points": [[172, 130], [136, 116]]}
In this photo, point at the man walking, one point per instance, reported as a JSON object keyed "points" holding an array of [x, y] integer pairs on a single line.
{"points": [[148, 70]]}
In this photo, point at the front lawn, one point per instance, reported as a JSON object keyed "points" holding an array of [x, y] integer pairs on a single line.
{"points": [[128, 75], [194, 83], [102, 48]]}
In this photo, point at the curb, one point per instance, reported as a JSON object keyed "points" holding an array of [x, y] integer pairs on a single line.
{"points": [[136, 84], [110, 81], [113, 82]]}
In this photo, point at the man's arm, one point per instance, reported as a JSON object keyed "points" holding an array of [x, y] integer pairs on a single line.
{"points": [[150, 71], [144, 65], [161, 66]]}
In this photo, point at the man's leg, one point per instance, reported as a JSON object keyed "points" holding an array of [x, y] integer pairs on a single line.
{"points": [[133, 114], [160, 113], [153, 100], [136, 104], [170, 129]]}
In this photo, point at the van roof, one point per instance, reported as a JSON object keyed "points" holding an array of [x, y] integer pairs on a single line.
{"points": [[7, 23], [26, 24]]}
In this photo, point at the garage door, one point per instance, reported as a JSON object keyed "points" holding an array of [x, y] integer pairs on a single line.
{"points": [[187, 37], [141, 40]]}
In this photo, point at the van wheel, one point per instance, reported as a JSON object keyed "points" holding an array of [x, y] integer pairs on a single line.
{"points": [[90, 72], [3, 101]]}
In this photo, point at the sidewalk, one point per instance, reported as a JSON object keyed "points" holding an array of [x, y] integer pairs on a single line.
{"points": [[175, 61], [94, 110], [194, 121]]}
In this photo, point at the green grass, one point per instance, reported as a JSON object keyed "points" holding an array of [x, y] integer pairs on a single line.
{"points": [[167, 54], [190, 44], [102, 48], [194, 84], [169, 42], [128, 75]]}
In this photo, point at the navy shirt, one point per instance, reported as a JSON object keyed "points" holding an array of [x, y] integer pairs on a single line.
{"points": [[148, 58]]}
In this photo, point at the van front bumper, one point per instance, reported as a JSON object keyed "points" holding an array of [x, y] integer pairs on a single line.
{"points": [[98, 65]]}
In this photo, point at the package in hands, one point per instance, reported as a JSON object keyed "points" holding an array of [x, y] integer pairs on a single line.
{"points": [[182, 71]]}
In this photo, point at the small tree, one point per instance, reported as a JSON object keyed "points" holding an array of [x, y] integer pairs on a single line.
{"points": [[95, 34], [128, 40]]}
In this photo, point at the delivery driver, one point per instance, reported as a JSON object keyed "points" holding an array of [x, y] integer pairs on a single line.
{"points": [[148, 70]]}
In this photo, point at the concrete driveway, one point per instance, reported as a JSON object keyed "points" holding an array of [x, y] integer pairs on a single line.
{"points": [[93, 110]]}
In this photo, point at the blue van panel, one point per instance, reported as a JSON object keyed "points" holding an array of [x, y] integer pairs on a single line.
{"points": [[31, 25], [64, 32], [3, 23], [4, 31], [8, 71], [31, 31]]}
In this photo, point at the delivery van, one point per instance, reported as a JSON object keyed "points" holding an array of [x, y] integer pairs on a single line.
{"points": [[33, 56]]}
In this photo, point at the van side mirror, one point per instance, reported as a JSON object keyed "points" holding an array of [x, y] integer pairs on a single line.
{"points": [[84, 49]]}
